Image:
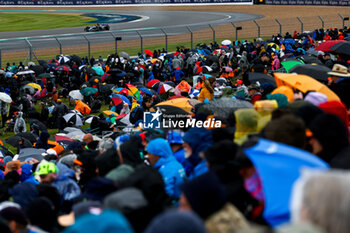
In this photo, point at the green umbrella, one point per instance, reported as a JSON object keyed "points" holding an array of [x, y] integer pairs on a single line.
{"points": [[88, 91], [290, 64], [99, 70], [44, 75]]}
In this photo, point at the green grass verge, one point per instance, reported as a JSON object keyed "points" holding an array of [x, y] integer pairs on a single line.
{"points": [[35, 21]]}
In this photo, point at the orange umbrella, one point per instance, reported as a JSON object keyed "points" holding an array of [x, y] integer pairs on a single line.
{"points": [[108, 112], [182, 103], [55, 146], [1, 143], [304, 84]]}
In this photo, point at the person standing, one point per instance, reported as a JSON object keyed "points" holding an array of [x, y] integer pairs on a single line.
{"points": [[4, 110]]}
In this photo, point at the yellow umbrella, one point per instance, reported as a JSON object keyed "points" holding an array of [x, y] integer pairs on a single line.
{"points": [[35, 85], [272, 44], [182, 103], [108, 112], [304, 84], [153, 60]]}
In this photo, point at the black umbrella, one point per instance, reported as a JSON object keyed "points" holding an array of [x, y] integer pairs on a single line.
{"points": [[31, 153], [5, 151], [210, 59], [318, 72], [90, 72], [342, 47], [106, 88], [37, 69], [76, 59], [261, 78], [172, 110], [115, 71], [27, 135], [309, 59], [43, 63], [45, 75], [38, 123], [14, 141]]}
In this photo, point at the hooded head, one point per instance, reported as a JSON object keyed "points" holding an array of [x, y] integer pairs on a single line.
{"points": [[199, 139], [159, 147]]}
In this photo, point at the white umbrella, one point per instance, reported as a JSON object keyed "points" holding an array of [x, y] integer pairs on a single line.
{"points": [[90, 118], [5, 97], [74, 118], [25, 72], [226, 42], [76, 95], [75, 112], [63, 59]]}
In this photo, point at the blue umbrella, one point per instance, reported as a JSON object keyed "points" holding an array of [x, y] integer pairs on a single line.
{"points": [[146, 91], [289, 41], [279, 167], [125, 99], [120, 75]]}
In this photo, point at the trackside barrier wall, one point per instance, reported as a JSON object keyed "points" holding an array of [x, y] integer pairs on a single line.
{"points": [[309, 2]]}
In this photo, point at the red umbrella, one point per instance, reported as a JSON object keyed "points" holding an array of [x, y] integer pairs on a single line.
{"points": [[148, 52], [63, 68], [117, 101], [152, 82], [326, 46]]}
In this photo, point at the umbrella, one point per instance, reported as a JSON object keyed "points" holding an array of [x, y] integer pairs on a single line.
{"points": [[98, 70], [152, 82], [27, 135], [89, 71], [144, 90], [318, 72], [342, 48], [51, 66], [223, 107], [226, 42], [44, 75], [114, 71], [179, 102], [120, 90], [35, 85], [135, 92], [24, 72], [31, 153], [14, 141], [76, 59], [204, 69], [304, 84], [8, 74], [261, 78], [89, 119], [117, 101], [63, 68], [274, 45], [124, 118], [76, 95], [75, 112], [309, 59], [87, 91], [227, 69], [26, 88], [63, 59], [326, 46], [172, 110], [290, 64], [108, 113], [124, 55], [39, 124], [148, 52], [279, 166], [164, 88], [74, 118], [37, 69], [106, 88], [124, 98], [194, 93], [289, 41], [5, 97]]}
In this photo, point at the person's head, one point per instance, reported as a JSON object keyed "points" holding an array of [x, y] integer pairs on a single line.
{"points": [[15, 218], [88, 138], [47, 172], [147, 101], [338, 71], [252, 89], [156, 149], [212, 81], [327, 56]]}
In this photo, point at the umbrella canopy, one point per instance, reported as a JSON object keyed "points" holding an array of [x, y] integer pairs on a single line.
{"points": [[123, 118], [27, 88], [226, 42], [135, 92], [227, 69], [223, 107], [106, 88], [148, 52], [309, 59], [271, 158], [125, 99], [39, 124], [14, 141], [290, 64], [44, 75], [342, 48], [326, 45], [117, 101], [172, 110], [76, 59], [124, 55], [63, 59], [73, 118], [88, 91], [151, 83], [89, 119], [115, 71], [179, 102], [38, 69], [27, 135], [261, 78], [304, 84], [5, 97], [144, 90], [120, 90], [318, 72], [51, 66], [63, 68], [35, 85], [31, 153], [108, 113], [164, 88], [89, 71], [289, 41], [98, 70], [204, 69], [76, 95], [24, 72]]}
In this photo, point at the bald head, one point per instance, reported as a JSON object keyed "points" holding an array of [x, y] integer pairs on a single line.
{"points": [[88, 138]]}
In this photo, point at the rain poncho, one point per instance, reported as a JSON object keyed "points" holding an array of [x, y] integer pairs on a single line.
{"points": [[246, 123], [207, 92], [171, 170], [20, 124], [82, 107]]}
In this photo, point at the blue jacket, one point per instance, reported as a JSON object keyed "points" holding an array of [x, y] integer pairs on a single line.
{"points": [[178, 74], [199, 139], [180, 157], [171, 170]]}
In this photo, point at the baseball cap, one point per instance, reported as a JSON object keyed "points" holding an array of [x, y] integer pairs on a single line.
{"points": [[46, 168], [239, 82]]}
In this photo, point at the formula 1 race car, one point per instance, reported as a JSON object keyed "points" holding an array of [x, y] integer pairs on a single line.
{"points": [[97, 28]]}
